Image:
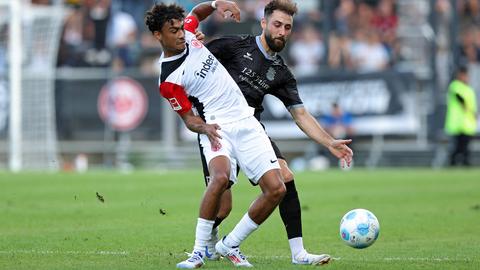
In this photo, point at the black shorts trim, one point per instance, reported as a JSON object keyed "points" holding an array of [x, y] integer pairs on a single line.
{"points": [[206, 173], [277, 151]]}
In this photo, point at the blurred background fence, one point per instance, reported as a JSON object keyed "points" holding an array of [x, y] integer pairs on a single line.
{"points": [[384, 64]]}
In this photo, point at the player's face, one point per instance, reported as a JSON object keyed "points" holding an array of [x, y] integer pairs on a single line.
{"points": [[172, 37], [277, 29]]}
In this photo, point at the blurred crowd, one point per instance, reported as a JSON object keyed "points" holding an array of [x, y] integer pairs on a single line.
{"points": [[112, 33], [355, 35], [469, 20]]}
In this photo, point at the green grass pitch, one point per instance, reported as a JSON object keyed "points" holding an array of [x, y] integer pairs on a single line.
{"points": [[428, 219]]}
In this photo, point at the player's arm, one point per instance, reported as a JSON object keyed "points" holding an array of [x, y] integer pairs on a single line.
{"points": [[288, 94], [205, 9], [175, 94], [196, 124], [310, 126]]}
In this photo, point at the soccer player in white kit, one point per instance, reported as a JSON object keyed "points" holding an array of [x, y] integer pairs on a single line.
{"points": [[210, 103]]}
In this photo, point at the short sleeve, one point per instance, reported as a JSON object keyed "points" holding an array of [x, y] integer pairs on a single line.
{"points": [[176, 96], [288, 93], [222, 48]]}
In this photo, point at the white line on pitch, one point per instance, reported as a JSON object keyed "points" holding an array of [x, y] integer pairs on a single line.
{"points": [[126, 253], [69, 252], [425, 259]]}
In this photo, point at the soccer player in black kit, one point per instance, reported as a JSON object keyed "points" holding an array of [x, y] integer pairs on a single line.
{"points": [[258, 70]]}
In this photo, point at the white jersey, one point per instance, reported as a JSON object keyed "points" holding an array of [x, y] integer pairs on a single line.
{"points": [[195, 77]]}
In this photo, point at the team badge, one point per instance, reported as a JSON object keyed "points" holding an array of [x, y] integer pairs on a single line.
{"points": [[196, 44], [271, 74]]}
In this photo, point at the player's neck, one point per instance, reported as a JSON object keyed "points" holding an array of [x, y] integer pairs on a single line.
{"points": [[265, 45], [171, 52], [168, 53]]}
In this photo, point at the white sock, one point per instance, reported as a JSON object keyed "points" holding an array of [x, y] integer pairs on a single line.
{"points": [[296, 245], [241, 231], [203, 234]]}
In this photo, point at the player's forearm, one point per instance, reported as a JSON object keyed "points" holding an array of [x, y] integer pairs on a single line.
{"points": [[195, 124], [202, 10], [309, 125]]}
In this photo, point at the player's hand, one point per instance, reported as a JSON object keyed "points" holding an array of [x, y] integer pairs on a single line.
{"points": [[213, 136], [225, 7], [340, 149], [200, 36]]}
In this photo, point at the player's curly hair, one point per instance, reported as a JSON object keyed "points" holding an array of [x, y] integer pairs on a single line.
{"points": [[161, 13], [286, 6]]}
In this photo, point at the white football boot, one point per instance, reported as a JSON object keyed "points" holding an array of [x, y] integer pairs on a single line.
{"points": [[306, 258], [195, 260], [233, 254]]}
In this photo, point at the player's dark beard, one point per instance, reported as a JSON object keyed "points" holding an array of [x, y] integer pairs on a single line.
{"points": [[271, 42]]}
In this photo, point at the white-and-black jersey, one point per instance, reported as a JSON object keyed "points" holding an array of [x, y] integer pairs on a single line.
{"points": [[196, 77], [256, 72]]}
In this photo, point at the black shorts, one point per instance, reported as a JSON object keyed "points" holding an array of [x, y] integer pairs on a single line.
{"points": [[206, 173]]}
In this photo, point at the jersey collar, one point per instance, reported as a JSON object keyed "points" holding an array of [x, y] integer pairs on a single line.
{"points": [[173, 57], [262, 49]]}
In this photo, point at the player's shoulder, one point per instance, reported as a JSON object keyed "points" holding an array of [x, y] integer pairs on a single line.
{"points": [[235, 39]]}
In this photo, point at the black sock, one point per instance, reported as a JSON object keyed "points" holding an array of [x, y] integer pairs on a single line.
{"points": [[218, 220], [290, 211]]}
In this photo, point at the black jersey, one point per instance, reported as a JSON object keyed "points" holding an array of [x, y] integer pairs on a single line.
{"points": [[256, 73]]}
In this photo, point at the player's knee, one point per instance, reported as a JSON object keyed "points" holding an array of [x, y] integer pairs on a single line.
{"points": [[220, 181], [278, 192], [287, 175]]}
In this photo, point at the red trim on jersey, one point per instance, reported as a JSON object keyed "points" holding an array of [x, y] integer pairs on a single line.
{"points": [[190, 23], [176, 96]]}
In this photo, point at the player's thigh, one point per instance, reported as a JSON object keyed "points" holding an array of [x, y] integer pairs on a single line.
{"points": [[226, 150], [253, 150]]}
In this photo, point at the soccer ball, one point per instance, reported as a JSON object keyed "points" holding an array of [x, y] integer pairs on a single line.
{"points": [[359, 228]]}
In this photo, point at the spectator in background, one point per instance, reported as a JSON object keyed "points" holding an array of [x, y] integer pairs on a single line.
{"points": [[343, 17], [469, 12], [469, 50], [339, 51], [307, 52], [122, 33], [339, 123], [99, 13], [461, 118], [362, 28], [385, 22], [363, 17], [367, 52], [77, 36], [443, 38]]}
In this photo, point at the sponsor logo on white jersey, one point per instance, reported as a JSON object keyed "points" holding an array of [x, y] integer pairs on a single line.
{"points": [[209, 64]]}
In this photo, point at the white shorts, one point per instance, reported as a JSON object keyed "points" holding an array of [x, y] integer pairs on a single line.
{"points": [[245, 143]]}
